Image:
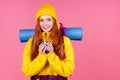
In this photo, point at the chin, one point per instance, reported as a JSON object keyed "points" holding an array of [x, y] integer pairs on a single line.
{"points": [[47, 31]]}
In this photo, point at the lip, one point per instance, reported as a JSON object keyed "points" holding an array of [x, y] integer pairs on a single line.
{"points": [[46, 28]]}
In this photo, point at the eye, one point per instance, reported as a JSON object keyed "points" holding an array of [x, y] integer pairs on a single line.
{"points": [[41, 20], [49, 19]]}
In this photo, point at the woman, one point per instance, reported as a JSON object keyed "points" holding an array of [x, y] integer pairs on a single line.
{"points": [[48, 55]]}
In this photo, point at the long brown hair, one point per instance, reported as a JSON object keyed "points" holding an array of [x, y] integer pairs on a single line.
{"points": [[55, 35]]}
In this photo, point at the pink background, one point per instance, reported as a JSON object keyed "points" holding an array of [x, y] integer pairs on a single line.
{"points": [[97, 56]]}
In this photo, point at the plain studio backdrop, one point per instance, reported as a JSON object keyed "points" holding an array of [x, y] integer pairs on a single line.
{"points": [[97, 56]]}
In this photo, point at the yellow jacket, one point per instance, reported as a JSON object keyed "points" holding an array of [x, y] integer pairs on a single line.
{"points": [[56, 66]]}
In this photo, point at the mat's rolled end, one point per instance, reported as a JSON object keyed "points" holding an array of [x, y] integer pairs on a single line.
{"points": [[25, 34]]}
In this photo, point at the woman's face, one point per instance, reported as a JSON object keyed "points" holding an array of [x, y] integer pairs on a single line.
{"points": [[46, 23]]}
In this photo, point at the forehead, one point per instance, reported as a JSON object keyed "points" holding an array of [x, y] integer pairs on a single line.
{"points": [[45, 16]]}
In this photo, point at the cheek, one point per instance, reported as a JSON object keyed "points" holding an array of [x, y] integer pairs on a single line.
{"points": [[51, 23], [41, 24]]}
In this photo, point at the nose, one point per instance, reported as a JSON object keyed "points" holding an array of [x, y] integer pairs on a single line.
{"points": [[46, 23]]}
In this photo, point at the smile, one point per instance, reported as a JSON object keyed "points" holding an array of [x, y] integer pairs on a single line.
{"points": [[46, 28]]}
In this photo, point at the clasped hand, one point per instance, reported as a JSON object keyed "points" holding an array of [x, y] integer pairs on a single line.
{"points": [[46, 47]]}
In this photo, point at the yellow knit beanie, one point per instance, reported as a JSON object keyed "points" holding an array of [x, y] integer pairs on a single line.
{"points": [[47, 9]]}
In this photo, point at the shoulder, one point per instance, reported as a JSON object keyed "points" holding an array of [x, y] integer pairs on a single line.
{"points": [[29, 42], [28, 46], [30, 39], [66, 38]]}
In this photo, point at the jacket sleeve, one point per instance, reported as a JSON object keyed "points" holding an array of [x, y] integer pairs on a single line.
{"points": [[30, 68], [63, 67]]}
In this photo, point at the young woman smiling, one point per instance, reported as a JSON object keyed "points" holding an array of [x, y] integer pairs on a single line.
{"points": [[48, 55]]}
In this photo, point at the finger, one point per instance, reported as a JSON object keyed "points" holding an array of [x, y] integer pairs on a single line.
{"points": [[41, 47], [49, 44], [50, 49], [43, 50]]}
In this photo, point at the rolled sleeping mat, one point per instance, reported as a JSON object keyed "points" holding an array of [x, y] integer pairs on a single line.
{"points": [[72, 33]]}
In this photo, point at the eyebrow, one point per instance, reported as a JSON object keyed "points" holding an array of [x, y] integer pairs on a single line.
{"points": [[46, 18], [50, 17]]}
